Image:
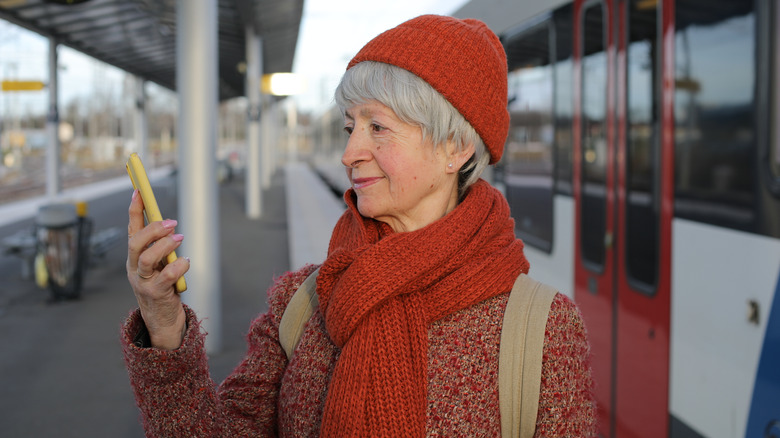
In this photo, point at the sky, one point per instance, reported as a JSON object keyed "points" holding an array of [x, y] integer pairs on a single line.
{"points": [[331, 32], [24, 56]]}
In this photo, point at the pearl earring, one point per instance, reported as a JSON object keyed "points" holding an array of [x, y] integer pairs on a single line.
{"points": [[450, 165]]}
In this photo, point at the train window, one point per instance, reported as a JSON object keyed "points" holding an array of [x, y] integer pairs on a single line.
{"points": [[768, 114], [594, 137], [715, 112], [642, 143], [563, 111], [528, 156], [774, 158]]}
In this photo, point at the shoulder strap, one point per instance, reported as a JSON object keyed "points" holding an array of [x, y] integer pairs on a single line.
{"points": [[520, 349], [520, 355], [297, 312]]}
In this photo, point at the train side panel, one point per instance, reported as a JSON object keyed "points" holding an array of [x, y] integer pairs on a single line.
{"points": [[723, 284], [555, 268]]}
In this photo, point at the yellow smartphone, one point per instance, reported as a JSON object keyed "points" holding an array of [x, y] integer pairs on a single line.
{"points": [[137, 173]]}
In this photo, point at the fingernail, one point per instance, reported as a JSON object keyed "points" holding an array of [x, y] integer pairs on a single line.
{"points": [[135, 193], [169, 223], [177, 237]]}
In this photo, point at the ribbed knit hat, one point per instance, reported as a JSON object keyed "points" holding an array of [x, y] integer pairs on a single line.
{"points": [[462, 59]]}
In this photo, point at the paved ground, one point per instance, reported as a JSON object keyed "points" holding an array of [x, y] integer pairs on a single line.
{"points": [[61, 368]]}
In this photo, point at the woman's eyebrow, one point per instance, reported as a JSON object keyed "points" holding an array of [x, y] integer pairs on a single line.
{"points": [[364, 112]]}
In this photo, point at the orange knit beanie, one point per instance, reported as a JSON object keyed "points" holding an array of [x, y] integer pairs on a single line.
{"points": [[462, 59]]}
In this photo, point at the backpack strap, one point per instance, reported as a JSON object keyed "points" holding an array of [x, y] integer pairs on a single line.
{"points": [[297, 312], [520, 356], [520, 349]]}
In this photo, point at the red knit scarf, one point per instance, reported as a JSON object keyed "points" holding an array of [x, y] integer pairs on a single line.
{"points": [[379, 291]]}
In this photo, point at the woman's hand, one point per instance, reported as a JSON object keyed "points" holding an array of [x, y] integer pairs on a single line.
{"points": [[151, 280]]}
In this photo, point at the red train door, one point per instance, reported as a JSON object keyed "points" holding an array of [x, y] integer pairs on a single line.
{"points": [[622, 222], [593, 184]]}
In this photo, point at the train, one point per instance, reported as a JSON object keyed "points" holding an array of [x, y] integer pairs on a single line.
{"points": [[643, 172], [642, 169]]}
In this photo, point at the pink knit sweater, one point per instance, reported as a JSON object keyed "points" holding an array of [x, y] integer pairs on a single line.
{"points": [[268, 396]]}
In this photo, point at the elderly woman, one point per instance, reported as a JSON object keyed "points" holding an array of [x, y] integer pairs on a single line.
{"points": [[405, 341]]}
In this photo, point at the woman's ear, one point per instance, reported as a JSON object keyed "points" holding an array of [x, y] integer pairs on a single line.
{"points": [[457, 158]]}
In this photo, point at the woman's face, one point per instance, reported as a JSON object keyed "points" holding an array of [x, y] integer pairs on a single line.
{"points": [[399, 179]]}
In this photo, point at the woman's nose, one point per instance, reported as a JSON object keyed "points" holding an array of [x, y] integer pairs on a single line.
{"points": [[357, 150]]}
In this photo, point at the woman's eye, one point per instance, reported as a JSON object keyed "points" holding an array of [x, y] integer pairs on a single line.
{"points": [[377, 128], [348, 130]]}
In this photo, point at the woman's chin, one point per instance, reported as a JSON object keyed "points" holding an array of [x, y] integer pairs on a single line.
{"points": [[366, 207]]}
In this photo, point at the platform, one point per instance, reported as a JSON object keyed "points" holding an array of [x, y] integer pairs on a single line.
{"points": [[62, 371]]}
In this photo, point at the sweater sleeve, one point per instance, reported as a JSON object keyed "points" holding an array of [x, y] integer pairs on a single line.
{"points": [[175, 393], [566, 404]]}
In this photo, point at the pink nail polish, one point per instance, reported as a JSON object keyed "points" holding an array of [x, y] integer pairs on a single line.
{"points": [[169, 223], [177, 237]]}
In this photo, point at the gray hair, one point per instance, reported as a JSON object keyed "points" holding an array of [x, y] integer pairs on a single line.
{"points": [[415, 102]]}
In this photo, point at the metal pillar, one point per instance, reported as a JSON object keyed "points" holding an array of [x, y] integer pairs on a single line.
{"points": [[292, 131], [254, 69], [53, 185], [141, 133], [196, 77], [268, 128]]}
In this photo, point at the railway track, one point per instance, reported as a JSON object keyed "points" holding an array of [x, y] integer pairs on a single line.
{"points": [[30, 181], [29, 187]]}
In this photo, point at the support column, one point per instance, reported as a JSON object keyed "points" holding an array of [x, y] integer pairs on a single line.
{"points": [[196, 77], [53, 183], [268, 129], [141, 133], [292, 131], [254, 69]]}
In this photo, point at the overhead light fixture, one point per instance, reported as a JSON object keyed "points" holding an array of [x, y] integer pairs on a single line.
{"points": [[283, 84]]}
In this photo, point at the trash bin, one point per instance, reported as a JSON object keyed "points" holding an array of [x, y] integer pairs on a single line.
{"points": [[63, 243]]}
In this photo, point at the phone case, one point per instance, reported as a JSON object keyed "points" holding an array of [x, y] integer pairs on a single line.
{"points": [[137, 173]]}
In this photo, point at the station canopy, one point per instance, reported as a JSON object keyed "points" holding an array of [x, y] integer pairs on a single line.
{"points": [[139, 36]]}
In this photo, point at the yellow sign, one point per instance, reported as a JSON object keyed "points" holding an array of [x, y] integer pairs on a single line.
{"points": [[23, 85]]}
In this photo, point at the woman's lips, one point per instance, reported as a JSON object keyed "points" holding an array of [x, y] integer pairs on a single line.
{"points": [[359, 183]]}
